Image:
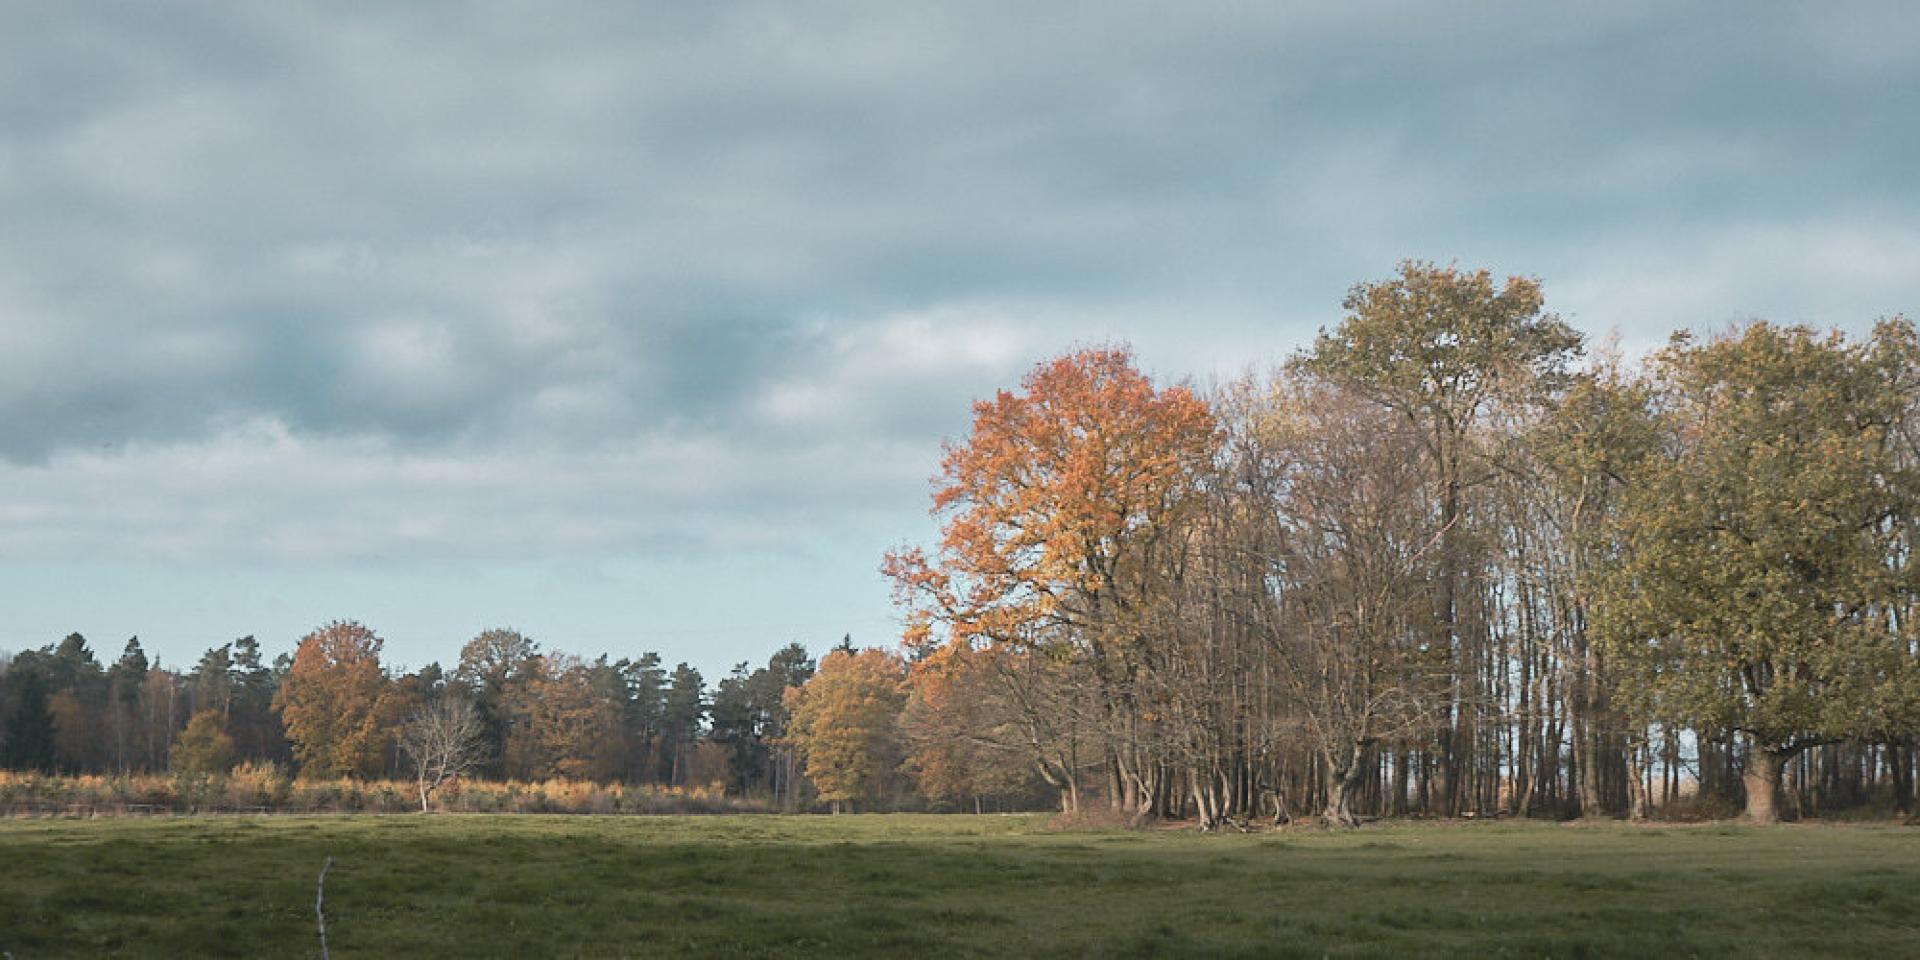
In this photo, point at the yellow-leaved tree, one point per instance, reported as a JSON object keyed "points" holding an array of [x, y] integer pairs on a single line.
{"points": [[846, 725], [337, 703]]}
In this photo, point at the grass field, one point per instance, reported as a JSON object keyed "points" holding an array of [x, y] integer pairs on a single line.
{"points": [[467, 886]]}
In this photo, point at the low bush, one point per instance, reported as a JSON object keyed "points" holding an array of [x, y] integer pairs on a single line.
{"points": [[265, 788]]}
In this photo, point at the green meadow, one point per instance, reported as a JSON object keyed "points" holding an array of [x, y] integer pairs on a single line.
{"points": [[953, 886]]}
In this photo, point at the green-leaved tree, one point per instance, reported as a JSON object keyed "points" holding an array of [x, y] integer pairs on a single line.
{"points": [[1760, 576]]}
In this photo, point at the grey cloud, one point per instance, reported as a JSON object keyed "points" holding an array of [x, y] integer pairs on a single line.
{"points": [[500, 231]]}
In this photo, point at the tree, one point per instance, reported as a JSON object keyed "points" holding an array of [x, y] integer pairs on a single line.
{"points": [[1350, 627], [1060, 511], [211, 683], [571, 729], [789, 667], [203, 749], [336, 702], [749, 716], [1441, 346], [963, 742], [1759, 576], [160, 699], [255, 725], [495, 667], [29, 726], [78, 697], [444, 739], [682, 711], [1562, 485], [845, 723], [125, 679], [643, 685]]}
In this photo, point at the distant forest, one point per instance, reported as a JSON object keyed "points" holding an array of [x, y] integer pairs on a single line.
{"points": [[1445, 561], [332, 710]]}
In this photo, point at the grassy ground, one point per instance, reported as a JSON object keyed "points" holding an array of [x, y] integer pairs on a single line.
{"points": [[466, 886]]}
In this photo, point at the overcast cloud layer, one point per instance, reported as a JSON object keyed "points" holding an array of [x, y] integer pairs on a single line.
{"points": [[694, 291]]}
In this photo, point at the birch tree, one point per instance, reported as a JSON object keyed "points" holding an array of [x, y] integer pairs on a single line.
{"points": [[445, 739]]}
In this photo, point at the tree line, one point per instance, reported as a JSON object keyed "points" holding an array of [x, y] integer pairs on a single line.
{"points": [[846, 731], [333, 709], [1443, 562]]}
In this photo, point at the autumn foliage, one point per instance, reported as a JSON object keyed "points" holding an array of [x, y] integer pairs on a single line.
{"points": [[338, 708], [572, 730], [963, 743], [845, 724], [1053, 499]]}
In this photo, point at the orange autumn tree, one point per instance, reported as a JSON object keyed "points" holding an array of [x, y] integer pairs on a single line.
{"points": [[964, 742], [337, 702], [1059, 513], [845, 723]]}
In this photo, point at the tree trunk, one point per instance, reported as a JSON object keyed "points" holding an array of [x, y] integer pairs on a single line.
{"points": [[1402, 761], [1069, 795], [1762, 780], [1900, 770], [1196, 785], [1342, 779], [1447, 778], [1586, 740], [1638, 761]]}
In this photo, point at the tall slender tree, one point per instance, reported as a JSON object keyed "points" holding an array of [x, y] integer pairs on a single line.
{"points": [[1443, 346]]}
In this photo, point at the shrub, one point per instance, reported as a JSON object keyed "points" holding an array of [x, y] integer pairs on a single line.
{"points": [[253, 787]]}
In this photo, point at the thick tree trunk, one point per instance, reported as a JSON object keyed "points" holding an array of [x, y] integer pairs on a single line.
{"points": [[1202, 803], [1762, 780], [1143, 801], [1344, 775]]}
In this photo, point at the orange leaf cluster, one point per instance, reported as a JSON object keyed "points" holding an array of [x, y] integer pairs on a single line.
{"points": [[1051, 499]]}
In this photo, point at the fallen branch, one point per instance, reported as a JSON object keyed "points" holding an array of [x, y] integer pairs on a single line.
{"points": [[320, 906]]}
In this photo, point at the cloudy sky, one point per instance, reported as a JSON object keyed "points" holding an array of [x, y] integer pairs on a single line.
{"points": [[639, 326]]}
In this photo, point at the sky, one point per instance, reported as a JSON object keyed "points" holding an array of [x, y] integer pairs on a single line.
{"points": [[640, 326]]}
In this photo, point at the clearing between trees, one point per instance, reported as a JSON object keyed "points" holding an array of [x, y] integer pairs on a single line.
{"points": [[919, 885]]}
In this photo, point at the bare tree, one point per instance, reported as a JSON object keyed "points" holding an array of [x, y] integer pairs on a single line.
{"points": [[1351, 614], [444, 741]]}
